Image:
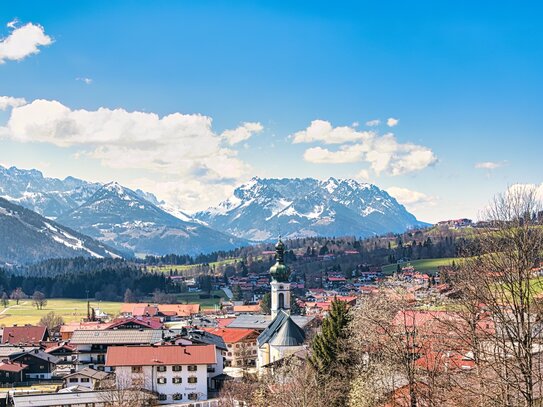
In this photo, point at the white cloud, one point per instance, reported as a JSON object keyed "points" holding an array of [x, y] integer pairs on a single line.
{"points": [[373, 123], [489, 165], [322, 130], [9, 102], [345, 154], [86, 81], [176, 146], [22, 42], [242, 133], [383, 152], [391, 122], [409, 197]]}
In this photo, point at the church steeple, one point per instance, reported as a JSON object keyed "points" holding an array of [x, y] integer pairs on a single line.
{"points": [[280, 287], [279, 271]]}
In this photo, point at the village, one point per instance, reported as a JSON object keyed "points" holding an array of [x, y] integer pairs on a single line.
{"points": [[181, 353]]}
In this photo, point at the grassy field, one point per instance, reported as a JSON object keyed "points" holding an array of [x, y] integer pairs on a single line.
{"points": [[427, 266], [69, 309], [204, 302]]}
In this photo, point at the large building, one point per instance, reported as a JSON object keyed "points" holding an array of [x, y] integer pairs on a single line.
{"points": [[176, 373], [282, 337]]}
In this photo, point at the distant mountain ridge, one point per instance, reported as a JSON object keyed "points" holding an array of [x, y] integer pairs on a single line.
{"points": [[263, 209], [27, 237], [136, 222], [121, 218]]}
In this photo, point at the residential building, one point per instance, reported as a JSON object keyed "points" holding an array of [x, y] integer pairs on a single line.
{"points": [[92, 345], [87, 377], [176, 373], [241, 346]]}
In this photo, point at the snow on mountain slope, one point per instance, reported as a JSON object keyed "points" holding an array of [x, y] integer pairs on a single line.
{"points": [[50, 197], [263, 209], [120, 217], [26, 237]]}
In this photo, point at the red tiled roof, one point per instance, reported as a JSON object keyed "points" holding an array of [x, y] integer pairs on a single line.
{"points": [[64, 345], [247, 308], [161, 355], [224, 322], [79, 326], [232, 335], [12, 367], [24, 334], [149, 323], [182, 310]]}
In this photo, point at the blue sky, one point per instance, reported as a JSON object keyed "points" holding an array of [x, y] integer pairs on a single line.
{"points": [[462, 79]]}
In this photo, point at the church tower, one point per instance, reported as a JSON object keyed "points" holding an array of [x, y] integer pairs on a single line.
{"points": [[280, 286]]}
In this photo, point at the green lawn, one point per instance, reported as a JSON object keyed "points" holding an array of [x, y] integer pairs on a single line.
{"points": [[70, 309], [204, 302], [427, 266]]}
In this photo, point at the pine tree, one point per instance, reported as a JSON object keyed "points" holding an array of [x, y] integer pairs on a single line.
{"points": [[327, 344], [265, 304]]}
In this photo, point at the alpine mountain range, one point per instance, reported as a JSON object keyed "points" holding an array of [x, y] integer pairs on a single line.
{"points": [[92, 219]]}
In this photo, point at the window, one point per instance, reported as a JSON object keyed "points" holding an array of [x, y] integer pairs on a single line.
{"points": [[192, 379], [176, 368], [137, 369], [85, 380], [229, 353], [161, 368], [177, 396], [192, 368], [281, 301], [177, 380], [193, 396], [163, 397], [74, 380], [161, 380]]}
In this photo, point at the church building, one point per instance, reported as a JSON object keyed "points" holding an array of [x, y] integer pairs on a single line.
{"points": [[282, 337]]}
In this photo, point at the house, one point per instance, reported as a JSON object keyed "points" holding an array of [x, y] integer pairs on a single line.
{"points": [[177, 373], [87, 377], [12, 372], [92, 345], [24, 335], [241, 346], [40, 365], [68, 329], [65, 354]]}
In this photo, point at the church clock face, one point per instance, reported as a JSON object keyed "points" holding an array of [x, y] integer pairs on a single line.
{"points": [[280, 287]]}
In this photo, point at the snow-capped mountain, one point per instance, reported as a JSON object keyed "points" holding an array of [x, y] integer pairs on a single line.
{"points": [[26, 237], [263, 209], [120, 217], [50, 197]]}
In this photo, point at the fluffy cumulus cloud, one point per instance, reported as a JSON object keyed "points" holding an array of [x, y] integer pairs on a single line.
{"points": [[409, 197], [384, 153], [322, 131], [489, 165], [391, 122], [176, 146], [242, 133], [7, 102], [22, 41]]}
